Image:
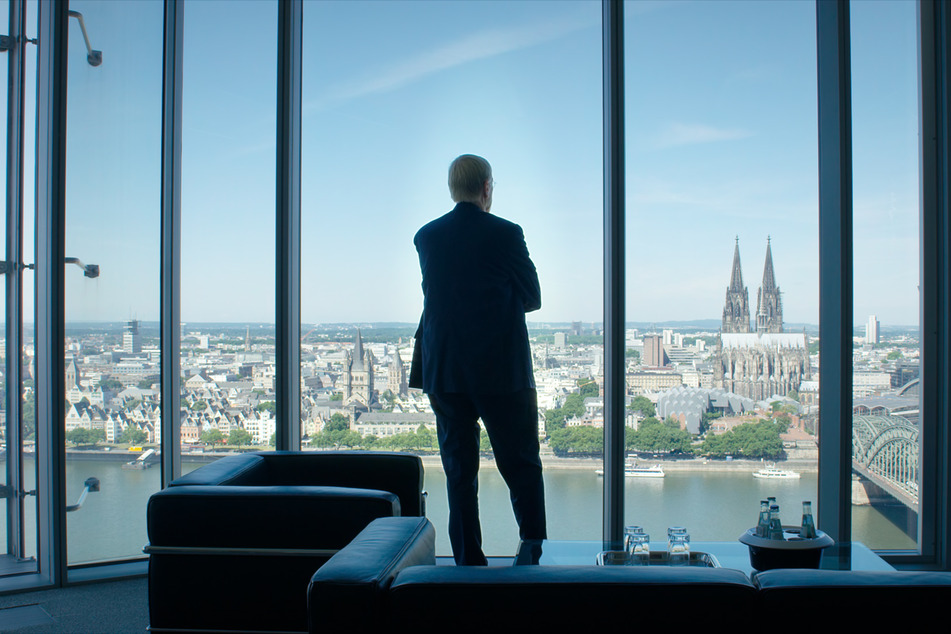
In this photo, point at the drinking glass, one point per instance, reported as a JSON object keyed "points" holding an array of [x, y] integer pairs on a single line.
{"points": [[640, 549], [678, 546], [629, 533]]}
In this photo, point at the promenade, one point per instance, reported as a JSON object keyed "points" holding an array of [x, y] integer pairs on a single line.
{"points": [[549, 460], [699, 465]]}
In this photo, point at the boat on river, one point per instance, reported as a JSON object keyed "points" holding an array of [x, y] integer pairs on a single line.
{"points": [[142, 462], [770, 472], [631, 470]]}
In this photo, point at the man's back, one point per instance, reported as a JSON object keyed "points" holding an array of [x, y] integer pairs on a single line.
{"points": [[478, 282]]}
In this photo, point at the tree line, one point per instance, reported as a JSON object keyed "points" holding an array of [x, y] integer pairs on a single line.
{"points": [[749, 440]]}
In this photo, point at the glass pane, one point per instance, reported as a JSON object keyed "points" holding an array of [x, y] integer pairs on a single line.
{"points": [[113, 422], [393, 92], [27, 295], [885, 424], [13, 556], [722, 264], [227, 355], [18, 526]]}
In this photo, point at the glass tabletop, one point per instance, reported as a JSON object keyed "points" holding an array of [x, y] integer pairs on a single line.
{"points": [[549, 552]]}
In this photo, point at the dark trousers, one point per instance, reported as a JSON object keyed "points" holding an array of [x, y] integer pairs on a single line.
{"points": [[511, 421]]}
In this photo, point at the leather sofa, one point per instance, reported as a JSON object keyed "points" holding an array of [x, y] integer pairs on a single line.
{"points": [[233, 544], [385, 579]]}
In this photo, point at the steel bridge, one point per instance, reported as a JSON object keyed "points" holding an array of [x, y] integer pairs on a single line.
{"points": [[885, 450]]}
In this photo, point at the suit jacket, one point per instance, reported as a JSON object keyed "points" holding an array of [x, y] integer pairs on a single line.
{"points": [[478, 283]]}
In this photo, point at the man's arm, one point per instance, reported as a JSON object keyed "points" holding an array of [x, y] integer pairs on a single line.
{"points": [[525, 276]]}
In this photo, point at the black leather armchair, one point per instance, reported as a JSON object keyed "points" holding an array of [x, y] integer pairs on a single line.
{"points": [[233, 544]]}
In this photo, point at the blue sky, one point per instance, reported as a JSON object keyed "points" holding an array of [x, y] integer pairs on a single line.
{"points": [[721, 129]]}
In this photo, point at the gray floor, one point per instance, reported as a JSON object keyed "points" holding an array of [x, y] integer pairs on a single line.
{"points": [[94, 608], [113, 606]]}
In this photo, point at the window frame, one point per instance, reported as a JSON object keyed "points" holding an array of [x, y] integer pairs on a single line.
{"points": [[835, 219], [934, 75]]}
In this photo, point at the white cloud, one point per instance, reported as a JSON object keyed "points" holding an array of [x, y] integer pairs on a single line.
{"points": [[680, 134], [478, 46]]}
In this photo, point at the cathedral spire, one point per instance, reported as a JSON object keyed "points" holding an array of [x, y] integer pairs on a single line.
{"points": [[769, 279], [736, 309], [358, 351], [769, 303], [736, 277]]}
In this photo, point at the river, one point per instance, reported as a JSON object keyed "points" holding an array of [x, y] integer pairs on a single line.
{"points": [[713, 505]]}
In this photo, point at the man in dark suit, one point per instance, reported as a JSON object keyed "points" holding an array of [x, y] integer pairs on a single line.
{"points": [[478, 283]]}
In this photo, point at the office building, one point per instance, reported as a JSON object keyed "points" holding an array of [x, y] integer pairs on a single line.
{"points": [[645, 382], [131, 340], [871, 330], [655, 355]]}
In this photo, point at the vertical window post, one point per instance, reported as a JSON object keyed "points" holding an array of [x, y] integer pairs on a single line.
{"points": [[934, 67], [614, 388], [287, 288], [50, 287], [14, 276], [171, 256], [835, 268]]}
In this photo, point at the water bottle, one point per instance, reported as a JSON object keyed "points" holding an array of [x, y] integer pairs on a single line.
{"points": [[808, 530], [775, 525], [762, 526]]}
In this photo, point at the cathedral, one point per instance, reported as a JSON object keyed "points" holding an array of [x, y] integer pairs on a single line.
{"points": [[755, 358]]}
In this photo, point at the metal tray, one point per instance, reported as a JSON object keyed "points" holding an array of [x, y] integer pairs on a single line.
{"points": [[657, 558]]}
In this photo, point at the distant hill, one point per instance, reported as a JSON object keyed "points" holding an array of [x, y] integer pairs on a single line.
{"points": [[383, 330]]}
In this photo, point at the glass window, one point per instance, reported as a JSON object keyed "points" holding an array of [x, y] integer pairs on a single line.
{"points": [[722, 369], [393, 92], [113, 420], [228, 185], [722, 264], [17, 471], [29, 503], [8, 479], [886, 362]]}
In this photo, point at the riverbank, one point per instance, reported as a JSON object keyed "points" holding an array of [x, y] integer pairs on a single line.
{"points": [[432, 461], [551, 462]]}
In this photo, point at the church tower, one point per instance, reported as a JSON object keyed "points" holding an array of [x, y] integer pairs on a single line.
{"points": [[396, 375], [769, 303], [72, 375], [736, 311], [359, 378]]}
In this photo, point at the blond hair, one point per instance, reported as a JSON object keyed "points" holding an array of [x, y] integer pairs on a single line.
{"points": [[467, 176]]}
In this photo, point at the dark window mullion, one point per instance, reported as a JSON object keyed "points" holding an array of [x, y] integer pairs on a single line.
{"points": [[614, 296], [934, 522], [287, 251], [171, 242], [835, 268]]}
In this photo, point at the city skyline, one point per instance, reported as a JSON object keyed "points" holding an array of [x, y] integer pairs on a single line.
{"points": [[711, 324]]}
